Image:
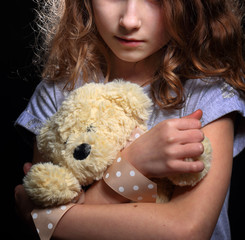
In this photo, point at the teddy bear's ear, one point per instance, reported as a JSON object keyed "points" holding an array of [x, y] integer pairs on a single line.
{"points": [[54, 134], [130, 97], [48, 140]]}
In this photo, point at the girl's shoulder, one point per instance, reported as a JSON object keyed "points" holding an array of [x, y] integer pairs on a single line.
{"points": [[44, 103], [53, 93], [216, 98]]}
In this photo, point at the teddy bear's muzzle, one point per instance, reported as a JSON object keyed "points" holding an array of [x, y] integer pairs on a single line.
{"points": [[82, 151]]}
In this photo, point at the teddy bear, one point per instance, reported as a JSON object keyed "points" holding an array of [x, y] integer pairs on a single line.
{"points": [[84, 137]]}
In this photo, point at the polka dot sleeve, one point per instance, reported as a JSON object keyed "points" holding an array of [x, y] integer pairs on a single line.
{"points": [[127, 181], [46, 219]]}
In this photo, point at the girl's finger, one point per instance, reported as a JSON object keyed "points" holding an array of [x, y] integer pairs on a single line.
{"points": [[188, 136], [190, 150], [197, 114], [180, 166], [188, 123], [27, 166]]}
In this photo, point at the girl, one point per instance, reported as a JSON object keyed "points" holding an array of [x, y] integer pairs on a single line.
{"points": [[188, 56]]}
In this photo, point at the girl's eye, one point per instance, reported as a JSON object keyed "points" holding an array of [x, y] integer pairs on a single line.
{"points": [[90, 128]]}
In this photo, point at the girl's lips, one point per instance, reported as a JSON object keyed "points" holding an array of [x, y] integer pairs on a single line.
{"points": [[130, 42]]}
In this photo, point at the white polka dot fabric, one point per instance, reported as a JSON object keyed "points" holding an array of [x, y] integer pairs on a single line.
{"points": [[123, 178], [46, 219], [127, 181]]}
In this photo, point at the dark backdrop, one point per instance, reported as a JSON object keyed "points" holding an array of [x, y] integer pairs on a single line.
{"points": [[18, 81]]}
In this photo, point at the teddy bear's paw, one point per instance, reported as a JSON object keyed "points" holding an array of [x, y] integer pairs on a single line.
{"points": [[50, 185], [191, 179], [164, 190]]}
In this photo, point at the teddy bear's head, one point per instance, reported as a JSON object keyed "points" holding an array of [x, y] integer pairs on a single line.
{"points": [[92, 126]]}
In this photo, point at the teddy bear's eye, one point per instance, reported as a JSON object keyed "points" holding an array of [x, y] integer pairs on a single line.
{"points": [[65, 142], [90, 128]]}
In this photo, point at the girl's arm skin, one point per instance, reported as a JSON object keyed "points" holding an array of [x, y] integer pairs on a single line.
{"points": [[191, 214]]}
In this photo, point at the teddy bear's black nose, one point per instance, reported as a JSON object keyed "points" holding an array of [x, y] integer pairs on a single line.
{"points": [[82, 151]]}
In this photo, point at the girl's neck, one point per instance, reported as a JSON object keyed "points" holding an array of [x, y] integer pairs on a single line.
{"points": [[140, 73]]}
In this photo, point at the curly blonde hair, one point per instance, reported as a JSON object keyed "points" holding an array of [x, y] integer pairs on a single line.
{"points": [[206, 41]]}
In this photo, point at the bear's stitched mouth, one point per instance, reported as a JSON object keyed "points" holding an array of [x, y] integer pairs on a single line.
{"points": [[82, 151]]}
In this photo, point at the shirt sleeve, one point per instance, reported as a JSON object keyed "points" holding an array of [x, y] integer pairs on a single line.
{"points": [[44, 102], [216, 99]]}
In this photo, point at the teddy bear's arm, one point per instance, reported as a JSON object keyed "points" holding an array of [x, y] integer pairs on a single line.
{"points": [[50, 185]]}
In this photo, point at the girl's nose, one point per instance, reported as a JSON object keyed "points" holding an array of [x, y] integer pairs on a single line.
{"points": [[130, 19]]}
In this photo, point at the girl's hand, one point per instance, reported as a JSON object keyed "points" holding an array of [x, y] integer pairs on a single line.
{"points": [[161, 151], [27, 166], [24, 206]]}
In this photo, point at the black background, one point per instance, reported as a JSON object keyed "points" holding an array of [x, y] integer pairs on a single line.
{"points": [[18, 79]]}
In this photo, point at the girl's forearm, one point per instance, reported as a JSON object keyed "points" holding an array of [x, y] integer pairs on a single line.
{"points": [[185, 217], [178, 219], [122, 221]]}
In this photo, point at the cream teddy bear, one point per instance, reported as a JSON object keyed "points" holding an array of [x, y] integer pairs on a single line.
{"points": [[84, 137]]}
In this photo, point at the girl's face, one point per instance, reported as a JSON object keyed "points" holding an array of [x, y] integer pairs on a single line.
{"points": [[132, 29]]}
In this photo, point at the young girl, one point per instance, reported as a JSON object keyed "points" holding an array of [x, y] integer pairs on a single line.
{"points": [[188, 56]]}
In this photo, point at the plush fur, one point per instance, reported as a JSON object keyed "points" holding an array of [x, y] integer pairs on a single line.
{"points": [[83, 138]]}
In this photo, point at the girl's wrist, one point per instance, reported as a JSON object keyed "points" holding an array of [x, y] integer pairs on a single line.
{"points": [[129, 182], [101, 193], [111, 196], [129, 155]]}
